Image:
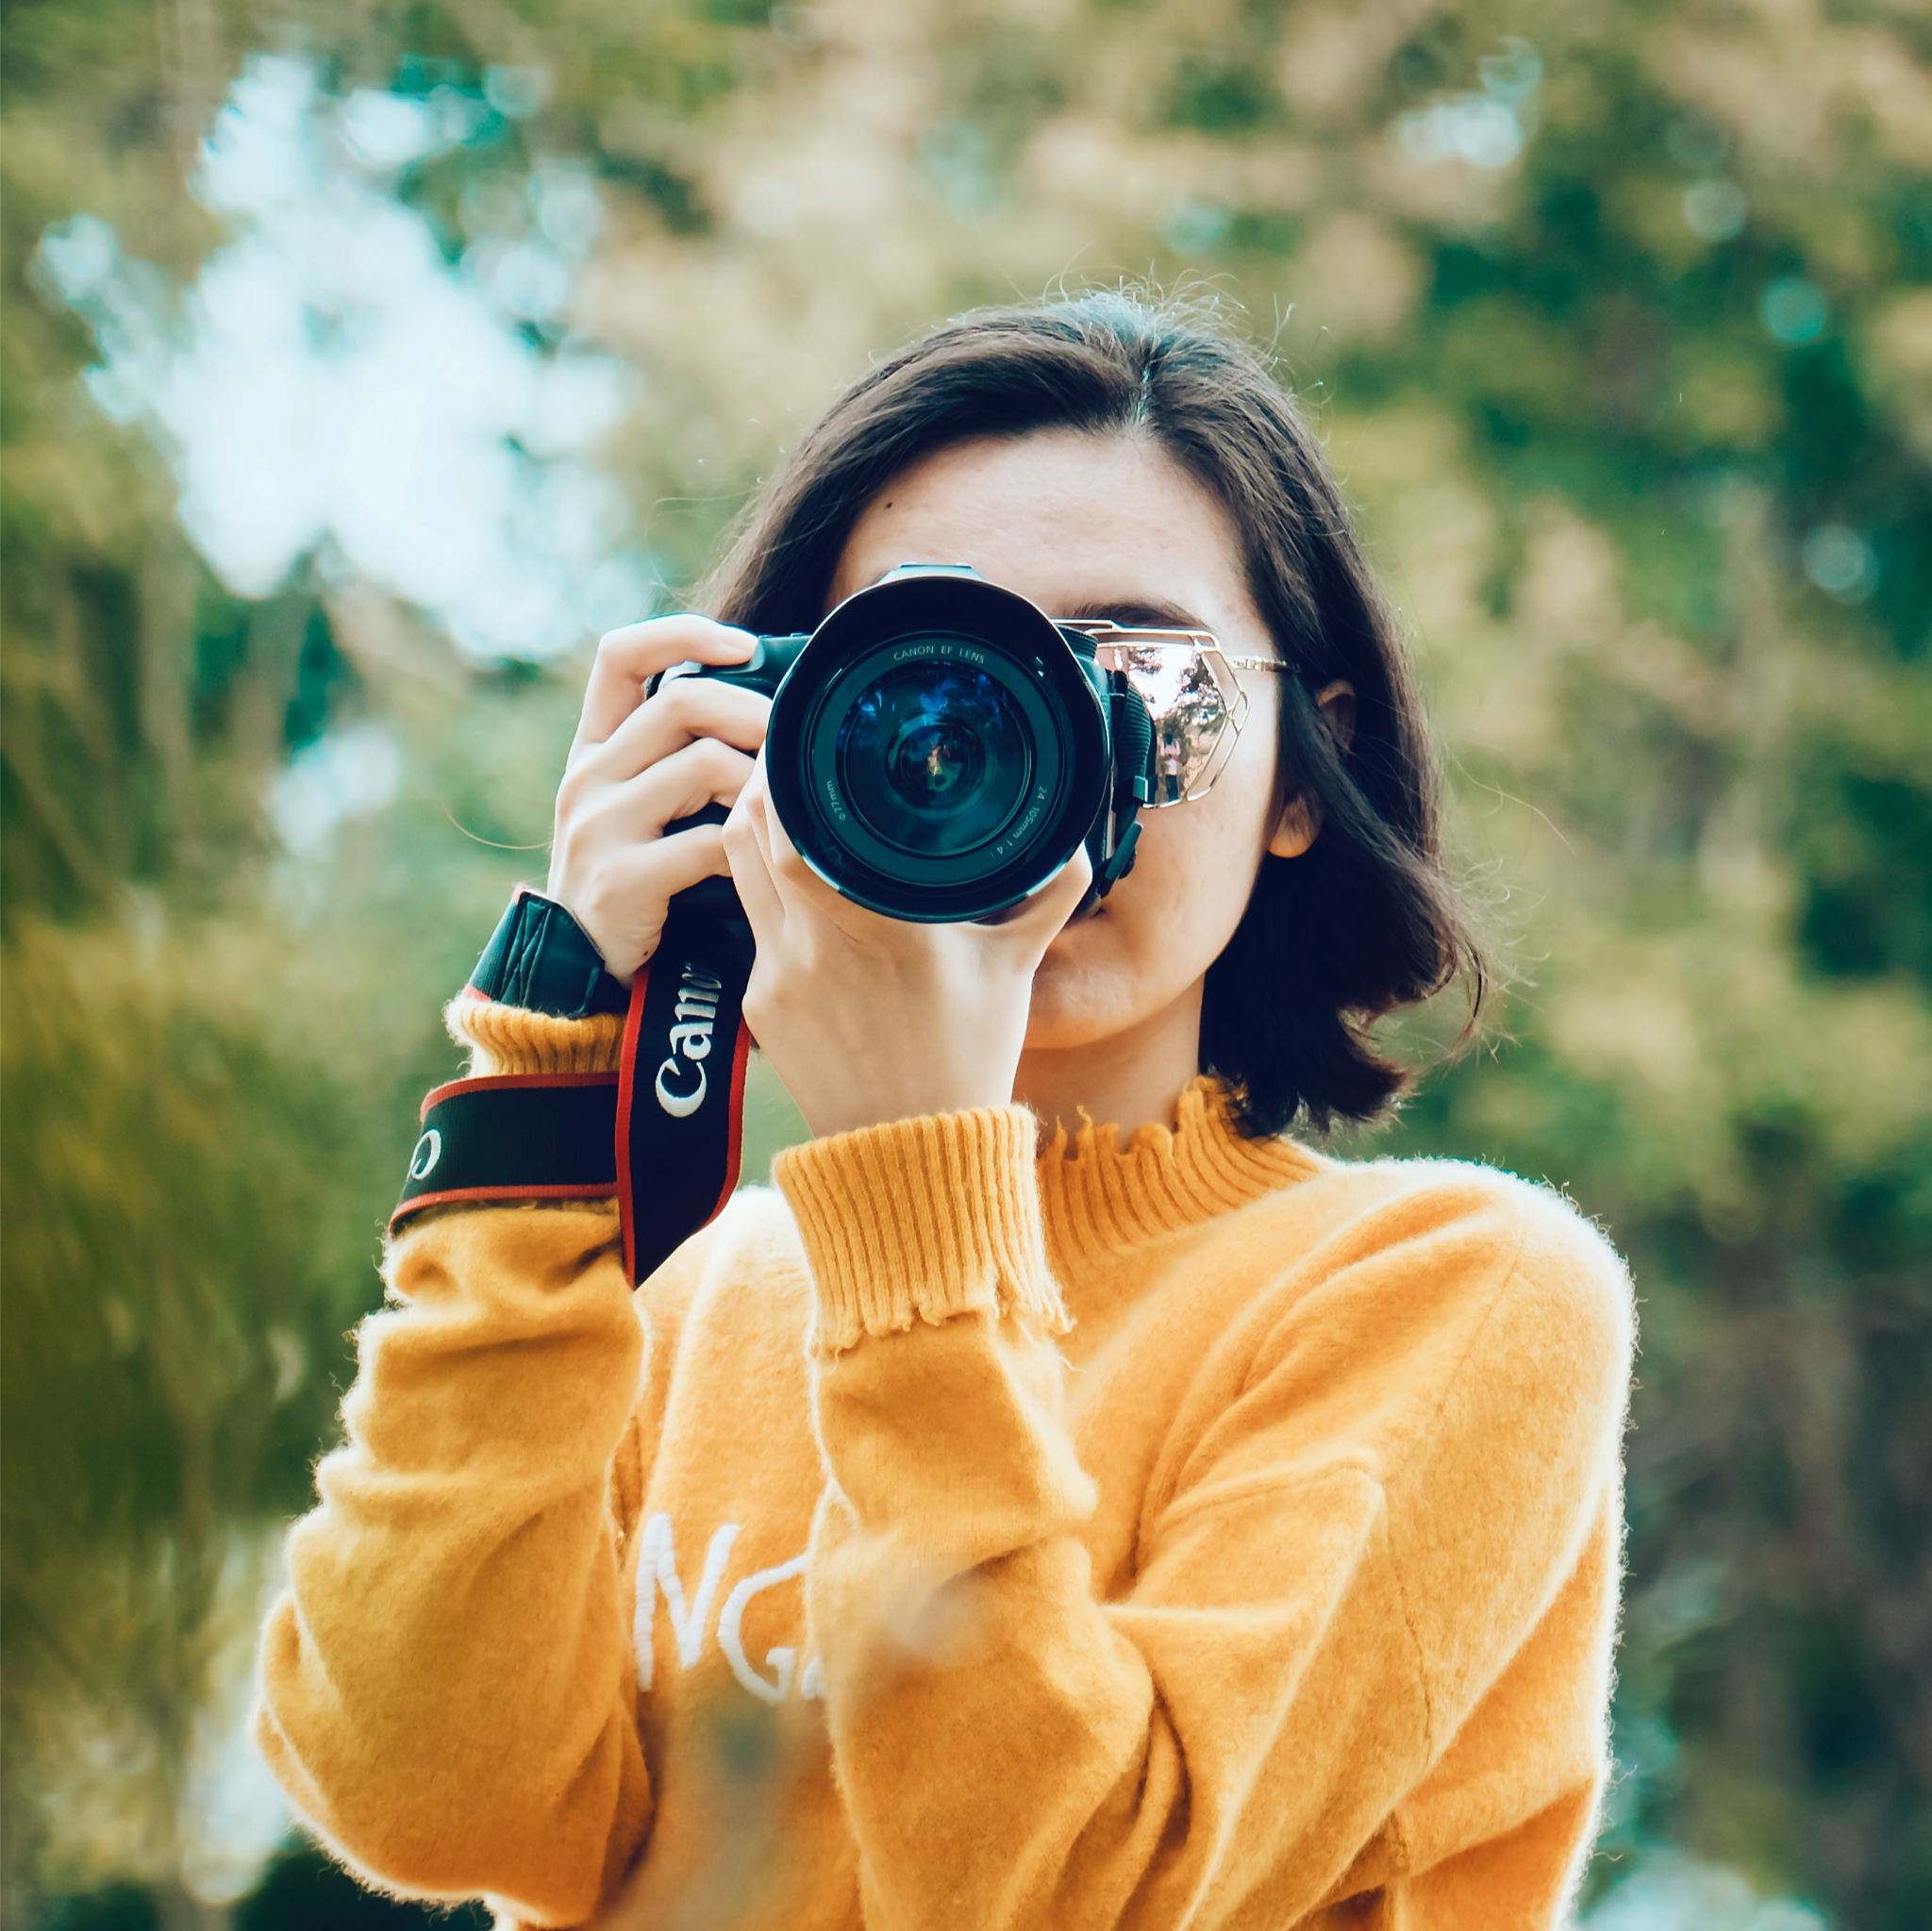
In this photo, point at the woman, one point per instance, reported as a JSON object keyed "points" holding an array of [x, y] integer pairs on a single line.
{"points": [[1011, 1519]]}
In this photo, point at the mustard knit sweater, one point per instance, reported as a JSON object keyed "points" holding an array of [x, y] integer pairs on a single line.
{"points": [[1203, 1534]]}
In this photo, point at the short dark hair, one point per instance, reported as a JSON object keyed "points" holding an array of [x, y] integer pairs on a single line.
{"points": [[1366, 921]]}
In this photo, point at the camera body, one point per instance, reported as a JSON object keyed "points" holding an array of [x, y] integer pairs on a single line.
{"points": [[939, 748]]}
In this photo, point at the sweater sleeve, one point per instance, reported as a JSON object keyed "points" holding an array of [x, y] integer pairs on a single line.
{"points": [[1359, 1536], [447, 1689]]}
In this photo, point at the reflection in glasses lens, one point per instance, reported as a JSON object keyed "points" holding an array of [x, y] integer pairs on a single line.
{"points": [[1190, 706]]}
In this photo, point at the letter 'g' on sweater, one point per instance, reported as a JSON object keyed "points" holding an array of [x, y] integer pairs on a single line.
{"points": [[1206, 1533]]}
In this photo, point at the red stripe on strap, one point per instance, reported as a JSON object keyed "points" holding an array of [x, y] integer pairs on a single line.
{"points": [[485, 1194], [741, 1058], [495, 1082], [627, 1081]]}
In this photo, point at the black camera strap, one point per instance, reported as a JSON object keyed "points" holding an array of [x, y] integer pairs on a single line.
{"points": [[662, 1135], [540, 1135], [680, 1086]]}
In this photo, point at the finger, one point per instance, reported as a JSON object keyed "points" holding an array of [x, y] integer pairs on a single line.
{"points": [[685, 858], [795, 876], [629, 658], [683, 711], [754, 812], [636, 812], [704, 773], [625, 820], [750, 871], [622, 908], [781, 854], [650, 875], [792, 879]]}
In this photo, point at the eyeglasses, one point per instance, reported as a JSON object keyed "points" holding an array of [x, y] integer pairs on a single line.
{"points": [[1189, 685]]}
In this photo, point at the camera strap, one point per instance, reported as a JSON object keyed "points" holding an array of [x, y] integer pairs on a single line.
{"points": [[680, 1086], [663, 1135]]}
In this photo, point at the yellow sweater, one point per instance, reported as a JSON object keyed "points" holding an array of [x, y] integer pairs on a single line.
{"points": [[1206, 1533]]}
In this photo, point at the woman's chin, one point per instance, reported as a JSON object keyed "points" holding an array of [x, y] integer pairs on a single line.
{"points": [[1071, 1004]]}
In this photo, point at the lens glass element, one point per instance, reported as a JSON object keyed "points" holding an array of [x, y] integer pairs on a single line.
{"points": [[935, 757]]}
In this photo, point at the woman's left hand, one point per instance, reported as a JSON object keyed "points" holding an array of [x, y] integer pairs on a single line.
{"points": [[868, 1019]]}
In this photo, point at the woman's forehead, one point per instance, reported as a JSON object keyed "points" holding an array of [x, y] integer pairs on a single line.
{"points": [[1075, 521]]}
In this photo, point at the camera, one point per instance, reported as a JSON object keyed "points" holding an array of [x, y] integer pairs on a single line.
{"points": [[938, 749]]}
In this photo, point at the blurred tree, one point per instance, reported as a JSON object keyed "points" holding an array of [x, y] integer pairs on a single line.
{"points": [[304, 1891], [1620, 323]]}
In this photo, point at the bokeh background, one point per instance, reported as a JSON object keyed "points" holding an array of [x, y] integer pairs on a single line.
{"points": [[363, 360]]}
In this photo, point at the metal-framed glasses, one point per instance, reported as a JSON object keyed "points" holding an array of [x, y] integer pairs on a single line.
{"points": [[1189, 685]]}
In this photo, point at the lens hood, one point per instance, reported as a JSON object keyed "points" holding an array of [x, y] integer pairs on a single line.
{"points": [[937, 749]]}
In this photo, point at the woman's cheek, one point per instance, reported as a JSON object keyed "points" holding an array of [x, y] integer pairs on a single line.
{"points": [[1160, 930], [1200, 862], [1167, 922]]}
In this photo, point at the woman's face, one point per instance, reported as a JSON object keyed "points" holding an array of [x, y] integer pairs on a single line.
{"points": [[1088, 525]]}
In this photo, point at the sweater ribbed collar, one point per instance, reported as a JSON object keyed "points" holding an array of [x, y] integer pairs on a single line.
{"points": [[1100, 1200]]}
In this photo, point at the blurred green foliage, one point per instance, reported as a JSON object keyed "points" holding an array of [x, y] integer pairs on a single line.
{"points": [[1618, 321]]}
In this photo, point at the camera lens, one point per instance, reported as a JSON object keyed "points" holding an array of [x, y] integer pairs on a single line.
{"points": [[935, 757], [937, 746]]}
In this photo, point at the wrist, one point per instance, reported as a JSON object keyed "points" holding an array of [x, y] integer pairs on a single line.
{"points": [[853, 1060], [847, 1109]]}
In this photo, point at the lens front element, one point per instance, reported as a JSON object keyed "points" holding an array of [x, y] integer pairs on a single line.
{"points": [[935, 757], [939, 749]]}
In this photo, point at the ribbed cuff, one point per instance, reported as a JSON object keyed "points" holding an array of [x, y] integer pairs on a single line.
{"points": [[508, 1038], [921, 1220]]}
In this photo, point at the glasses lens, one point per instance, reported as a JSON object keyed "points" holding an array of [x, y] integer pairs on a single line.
{"points": [[1185, 697], [935, 757]]}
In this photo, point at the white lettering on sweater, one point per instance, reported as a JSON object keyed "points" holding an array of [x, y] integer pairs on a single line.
{"points": [[731, 1637], [657, 1570], [657, 1575]]}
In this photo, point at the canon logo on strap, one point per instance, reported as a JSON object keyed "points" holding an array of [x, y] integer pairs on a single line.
{"points": [[428, 1151], [680, 1084]]}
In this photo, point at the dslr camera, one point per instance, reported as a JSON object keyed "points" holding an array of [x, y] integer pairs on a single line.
{"points": [[938, 749]]}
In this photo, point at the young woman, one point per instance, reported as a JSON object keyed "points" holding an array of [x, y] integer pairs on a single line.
{"points": [[1062, 1501]]}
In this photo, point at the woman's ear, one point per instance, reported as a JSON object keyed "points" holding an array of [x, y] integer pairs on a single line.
{"points": [[1300, 821], [1336, 701]]}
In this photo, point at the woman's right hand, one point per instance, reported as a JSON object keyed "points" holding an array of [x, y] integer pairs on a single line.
{"points": [[636, 764]]}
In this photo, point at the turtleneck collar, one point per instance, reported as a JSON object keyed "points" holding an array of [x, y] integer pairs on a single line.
{"points": [[1100, 1200]]}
